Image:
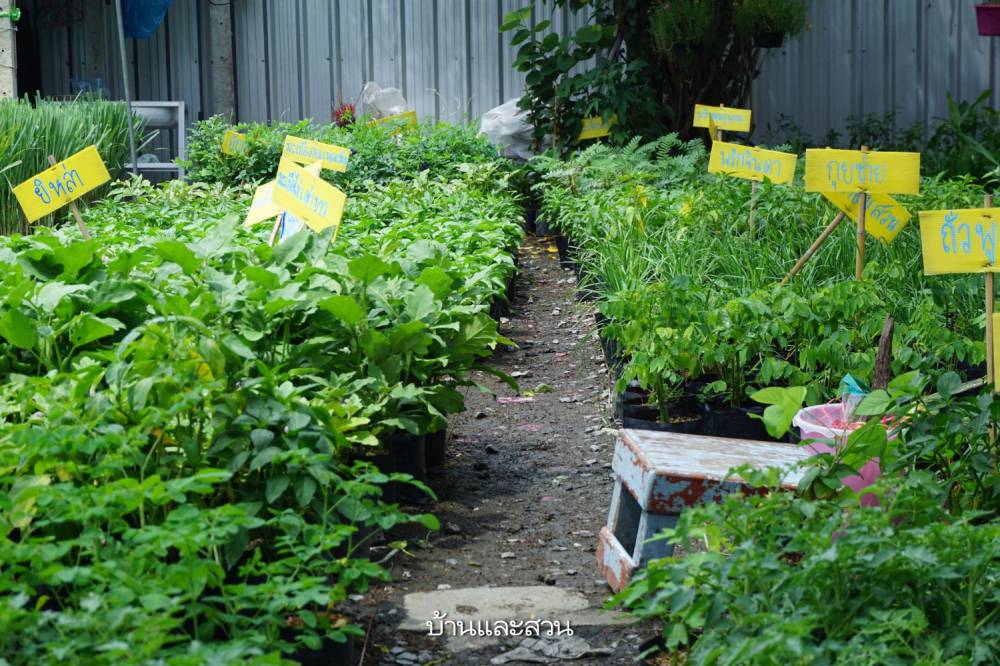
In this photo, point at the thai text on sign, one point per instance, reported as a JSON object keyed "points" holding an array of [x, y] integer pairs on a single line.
{"points": [[263, 206], [959, 241], [306, 151], [725, 118], [595, 127], [62, 183], [830, 170], [234, 143], [884, 216], [317, 202], [751, 163]]}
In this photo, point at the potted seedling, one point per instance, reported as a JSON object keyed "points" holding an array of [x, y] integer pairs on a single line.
{"points": [[767, 22], [988, 18]]}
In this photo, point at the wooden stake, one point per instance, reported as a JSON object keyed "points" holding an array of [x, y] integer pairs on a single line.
{"points": [[883, 358], [815, 246], [73, 207], [990, 305], [753, 201], [859, 255], [274, 229]]}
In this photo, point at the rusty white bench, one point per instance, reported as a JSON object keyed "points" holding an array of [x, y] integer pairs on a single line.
{"points": [[658, 474]]}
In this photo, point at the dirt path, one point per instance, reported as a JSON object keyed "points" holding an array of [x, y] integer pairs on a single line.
{"points": [[527, 481]]}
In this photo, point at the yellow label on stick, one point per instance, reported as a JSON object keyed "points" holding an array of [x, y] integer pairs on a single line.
{"points": [[884, 216], [595, 127], [830, 170], [58, 185], [317, 202], [405, 118], [263, 206], [234, 143], [306, 151], [713, 131], [959, 241], [751, 163], [725, 118]]}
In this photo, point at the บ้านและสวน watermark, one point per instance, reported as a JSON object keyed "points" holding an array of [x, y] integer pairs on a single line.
{"points": [[441, 626]]}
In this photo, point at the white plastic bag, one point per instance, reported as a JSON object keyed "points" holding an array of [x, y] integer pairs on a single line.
{"points": [[507, 128], [381, 102]]}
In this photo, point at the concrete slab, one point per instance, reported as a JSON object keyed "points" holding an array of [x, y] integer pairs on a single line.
{"points": [[490, 604]]}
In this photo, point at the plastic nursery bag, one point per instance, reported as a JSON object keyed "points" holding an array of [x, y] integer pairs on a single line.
{"points": [[507, 128], [381, 102]]}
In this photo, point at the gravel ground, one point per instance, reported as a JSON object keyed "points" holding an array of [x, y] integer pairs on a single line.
{"points": [[526, 485]]}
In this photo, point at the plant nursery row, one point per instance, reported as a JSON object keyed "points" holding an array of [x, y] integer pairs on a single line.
{"points": [[202, 434], [703, 331]]}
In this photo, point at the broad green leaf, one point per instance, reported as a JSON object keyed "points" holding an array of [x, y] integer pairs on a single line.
{"points": [[305, 488], [89, 328], [275, 488], [344, 308], [437, 280], [420, 303], [52, 293], [180, 254], [18, 329], [367, 267], [949, 384], [876, 402]]}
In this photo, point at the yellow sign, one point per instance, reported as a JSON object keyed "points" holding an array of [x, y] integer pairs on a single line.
{"points": [[751, 163], [317, 202], [305, 151], [959, 241], [725, 118], [263, 206], [234, 143], [58, 185], [407, 118], [595, 127], [713, 131], [829, 170], [884, 216]]}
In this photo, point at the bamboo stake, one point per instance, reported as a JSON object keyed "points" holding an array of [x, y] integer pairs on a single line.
{"points": [[73, 207], [815, 246], [274, 229], [859, 255], [990, 306], [753, 202]]}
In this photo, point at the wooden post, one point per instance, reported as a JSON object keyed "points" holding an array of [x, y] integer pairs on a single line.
{"points": [[990, 305], [73, 207], [859, 255], [275, 229], [815, 246], [753, 201]]}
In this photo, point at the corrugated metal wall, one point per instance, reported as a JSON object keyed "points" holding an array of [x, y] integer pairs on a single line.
{"points": [[293, 58], [876, 56], [79, 41]]}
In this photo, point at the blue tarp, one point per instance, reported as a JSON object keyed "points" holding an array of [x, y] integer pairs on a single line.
{"points": [[141, 18]]}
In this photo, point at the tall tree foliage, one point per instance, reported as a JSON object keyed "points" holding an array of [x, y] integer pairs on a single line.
{"points": [[646, 61]]}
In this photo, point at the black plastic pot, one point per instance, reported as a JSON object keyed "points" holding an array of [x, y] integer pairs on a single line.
{"points": [[435, 448], [410, 456], [726, 421], [769, 40], [530, 215], [691, 424], [542, 227], [330, 653], [386, 463]]}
